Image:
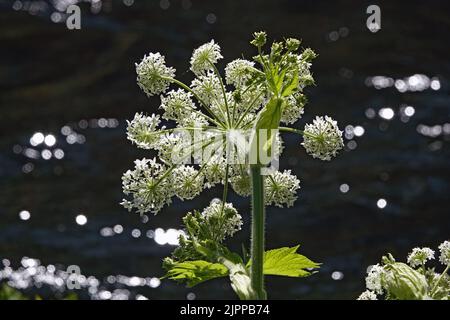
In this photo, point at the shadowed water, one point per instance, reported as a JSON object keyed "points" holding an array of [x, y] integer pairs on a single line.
{"points": [[65, 96]]}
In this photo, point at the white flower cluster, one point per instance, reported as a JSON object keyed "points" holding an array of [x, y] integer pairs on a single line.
{"points": [[177, 105], [240, 181], [142, 130], [207, 88], [374, 279], [187, 182], [223, 218], [322, 138], [147, 187], [412, 281], [444, 249], [205, 113], [238, 72], [368, 295], [419, 256], [204, 56], [281, 189], [153, 74]]}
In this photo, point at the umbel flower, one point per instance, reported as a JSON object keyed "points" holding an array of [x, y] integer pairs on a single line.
{"points": [[193, 145], [444, 249], [214, 224], [323, 138], [419, 256], [374, 279], [153, 75], [226, 131], [204, 57], [367, 295]]}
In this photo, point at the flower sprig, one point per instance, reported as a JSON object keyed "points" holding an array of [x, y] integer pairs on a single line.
{"points": [[413, 281], [211, 109], [225, 130]]}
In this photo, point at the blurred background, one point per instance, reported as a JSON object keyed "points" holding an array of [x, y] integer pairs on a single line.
{"points": [[65, 96]]}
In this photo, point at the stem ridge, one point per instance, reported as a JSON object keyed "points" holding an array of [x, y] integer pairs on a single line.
{"points": [[258, 226]]}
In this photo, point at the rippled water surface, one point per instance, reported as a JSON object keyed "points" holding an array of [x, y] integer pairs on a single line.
{"points": [[65, 96]]}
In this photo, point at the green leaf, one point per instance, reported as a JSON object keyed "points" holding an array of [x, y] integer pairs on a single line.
{"points": [[195, 272], [279, 79], [270, 115], [8, 293], [269, 119], [289, 88], [287, 262], [405, 283]]}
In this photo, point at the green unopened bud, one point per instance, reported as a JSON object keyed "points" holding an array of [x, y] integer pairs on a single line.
{"points": [[404, 283], [308, 55], [191, 223], [292, 44], [260, 39], [276, 49], [168, 263], [307, 80]]}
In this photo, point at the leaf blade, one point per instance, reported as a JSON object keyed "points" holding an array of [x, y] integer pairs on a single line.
{"points": [[195, 272], [287, 262]]}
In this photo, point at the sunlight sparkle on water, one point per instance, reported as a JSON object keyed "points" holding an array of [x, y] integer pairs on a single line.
{"points": [[344, 188], [416, 82], [381, 203], [24, 215], [81, 219], [386, 113], [37, 139], [50, 140]]}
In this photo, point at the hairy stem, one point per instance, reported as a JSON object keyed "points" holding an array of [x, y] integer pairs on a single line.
{"points": [[258, 224], [297, 131]]}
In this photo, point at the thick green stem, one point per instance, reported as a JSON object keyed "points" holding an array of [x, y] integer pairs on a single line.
{"points": [[258, 224]]}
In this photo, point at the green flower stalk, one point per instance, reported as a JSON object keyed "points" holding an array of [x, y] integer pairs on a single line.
{"points": [[226, 131]]}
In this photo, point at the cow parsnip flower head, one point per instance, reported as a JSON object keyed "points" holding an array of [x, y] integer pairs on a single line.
{"points": [[281, 189], [212, 225], [177, 105], [322, 138], [187, 182], [223, 215], [294, 108], [374, 279], [204, 115], [419, 256], [207, 88], [142, 130], [240, 181], [146, 185], [368, 295], [225, 130], [153, 76], [238, 72], [444, 256], [204, 57]]}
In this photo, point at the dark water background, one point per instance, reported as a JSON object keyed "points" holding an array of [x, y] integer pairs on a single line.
{"points": [[84, 81]]}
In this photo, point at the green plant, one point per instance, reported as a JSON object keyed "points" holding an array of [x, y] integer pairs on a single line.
{"points": [[231, 136], [8, 293], [394, 280]]}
